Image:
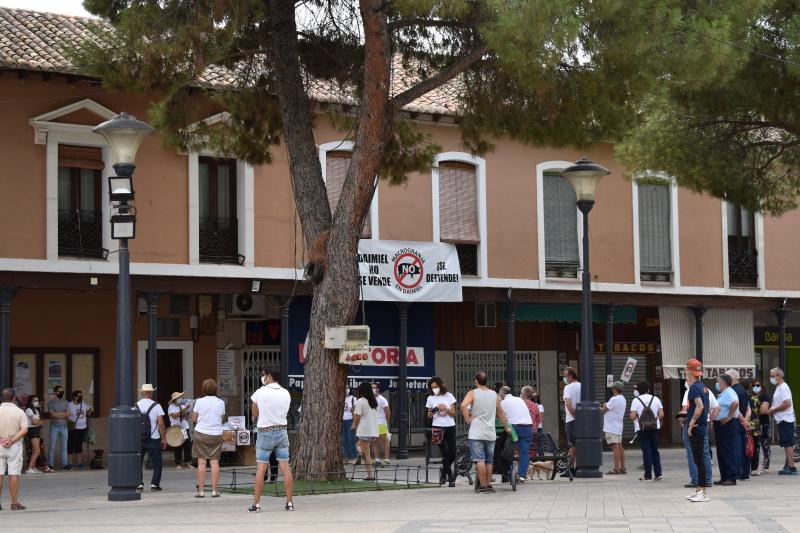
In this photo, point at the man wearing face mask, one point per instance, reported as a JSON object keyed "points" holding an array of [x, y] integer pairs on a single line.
{"points": [[710, 416], [783, 411], [58, 412], [572, 395], [78, 419]]}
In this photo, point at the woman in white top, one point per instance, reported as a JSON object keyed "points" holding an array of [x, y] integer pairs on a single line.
{"points": [[365, 423], [34, 431], [441, 406], [178, 416], [207, 417]]}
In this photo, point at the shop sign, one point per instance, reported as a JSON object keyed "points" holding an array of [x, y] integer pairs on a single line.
{"points": [[628, 347], [771, 336], [380, 356], [400, 271], [711, 372], [413, 384]]}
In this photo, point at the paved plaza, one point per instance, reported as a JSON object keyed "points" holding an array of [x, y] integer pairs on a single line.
{"points": [[76, 501]]}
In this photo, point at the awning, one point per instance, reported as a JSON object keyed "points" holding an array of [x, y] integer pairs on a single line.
{"points": [[727, 341], [623, 314]]}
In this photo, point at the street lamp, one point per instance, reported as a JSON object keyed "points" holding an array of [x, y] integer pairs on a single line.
{"points": [[124, 134], [584, 176]]}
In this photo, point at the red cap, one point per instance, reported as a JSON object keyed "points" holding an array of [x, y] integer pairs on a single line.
{"points": [[695, 367]]}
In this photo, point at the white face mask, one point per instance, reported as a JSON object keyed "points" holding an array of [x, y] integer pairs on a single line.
{"points": [[435, 391], [756, 389], [774, 381], [636, 393], [263, 380], [36, 404]]}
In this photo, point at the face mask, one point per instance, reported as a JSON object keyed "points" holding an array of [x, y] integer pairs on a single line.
{"points": [[374, 392], [717, 387], [35, 404], [774, 381], [436, 391], [566, 381], [757, 389], [263, 380], [636, 393], [535, 399], [60, 394], [79, 398]]}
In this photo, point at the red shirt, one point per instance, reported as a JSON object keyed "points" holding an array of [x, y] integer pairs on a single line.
{"points": [[533, 409]]}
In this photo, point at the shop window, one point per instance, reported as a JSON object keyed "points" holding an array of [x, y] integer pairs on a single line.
{"points": [[742, 253], [485, 315], [179, 304], [80, 220], [336, 165], [655, 243], [168, 327], [458, 212], [219, 232], [39, 372], [560, 228]]}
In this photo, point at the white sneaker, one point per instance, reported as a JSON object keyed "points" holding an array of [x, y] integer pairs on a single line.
{"points": [[692, 495], [755, 473], [34, 471], [700, 497]]}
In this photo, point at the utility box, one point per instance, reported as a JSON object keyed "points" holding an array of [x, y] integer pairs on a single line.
{"points": [[347, 338]]}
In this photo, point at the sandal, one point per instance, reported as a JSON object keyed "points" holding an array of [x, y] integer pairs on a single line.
{"points": [[613, 471], [17, 507], [622, 471], [200, 495]]}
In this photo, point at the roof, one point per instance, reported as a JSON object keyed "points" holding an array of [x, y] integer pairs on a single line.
{"points": [[37, 41]]}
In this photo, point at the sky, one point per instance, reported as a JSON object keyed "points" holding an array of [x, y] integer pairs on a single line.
{"points": [[64, 7]]}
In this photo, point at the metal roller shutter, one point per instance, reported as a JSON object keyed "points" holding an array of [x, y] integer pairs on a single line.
{"points": [[641, 373]]}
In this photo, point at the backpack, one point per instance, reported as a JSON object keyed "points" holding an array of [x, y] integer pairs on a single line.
{"points": [[145, 424], [648, 420]]}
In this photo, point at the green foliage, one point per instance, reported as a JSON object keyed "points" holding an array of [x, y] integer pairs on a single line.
{"points": [[737, 135]]}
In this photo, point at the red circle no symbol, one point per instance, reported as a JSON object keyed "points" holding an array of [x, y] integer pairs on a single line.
{"points": [[411, 269]]}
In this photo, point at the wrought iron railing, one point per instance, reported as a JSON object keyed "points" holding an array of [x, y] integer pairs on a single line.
{"points": [[743, 266], [80, 233], [561, 269], [219, 241]]}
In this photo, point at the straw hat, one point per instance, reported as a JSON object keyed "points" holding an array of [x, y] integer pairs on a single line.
{"points": [[176, 395], [147, 387]]}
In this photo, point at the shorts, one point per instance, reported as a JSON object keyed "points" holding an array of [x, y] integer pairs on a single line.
{"points": [[367, 439], [272, 441], [75, 440], [613, 438], [569, 433], [786, 434], [34, 432], [12, 459], [481, 451], [383, 429]]}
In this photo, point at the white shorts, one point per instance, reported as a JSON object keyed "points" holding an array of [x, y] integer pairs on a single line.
{"points": [[11, 458], [613, 438]]}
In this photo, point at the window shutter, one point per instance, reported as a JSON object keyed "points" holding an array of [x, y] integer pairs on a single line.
{"points": [[655, 252], [336, 165], [458, 203], [80, 157], [560, 225]]}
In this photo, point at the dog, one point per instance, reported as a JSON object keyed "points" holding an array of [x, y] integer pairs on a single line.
{"points": [[540, 469]]}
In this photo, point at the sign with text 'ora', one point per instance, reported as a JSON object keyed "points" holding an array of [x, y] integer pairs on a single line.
{"points": [[403, 271]]}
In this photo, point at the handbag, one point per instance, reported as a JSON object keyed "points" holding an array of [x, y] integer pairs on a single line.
{"points": [[750, 447], [437, 435]]}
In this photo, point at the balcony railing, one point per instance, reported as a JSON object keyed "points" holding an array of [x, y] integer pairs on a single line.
{"points": [[219, 241], [80, 233], [743, 267], [561, 269]]}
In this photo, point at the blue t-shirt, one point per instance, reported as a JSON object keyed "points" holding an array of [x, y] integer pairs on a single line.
{"points": [[725, 400], [698, 390]]}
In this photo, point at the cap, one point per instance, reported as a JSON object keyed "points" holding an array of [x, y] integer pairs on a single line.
{"points": [[618, 385], [695, 367], [147, 387], [176, 395]]}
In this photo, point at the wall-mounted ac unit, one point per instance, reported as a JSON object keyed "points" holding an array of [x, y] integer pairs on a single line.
{"points": [[246, 305]]}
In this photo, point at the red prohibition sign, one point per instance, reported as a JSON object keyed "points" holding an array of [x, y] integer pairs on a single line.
{"points": [[415, 262]]}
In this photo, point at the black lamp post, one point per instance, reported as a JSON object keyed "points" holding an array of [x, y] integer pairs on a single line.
{"points": [[124, 134], [584, 176]]}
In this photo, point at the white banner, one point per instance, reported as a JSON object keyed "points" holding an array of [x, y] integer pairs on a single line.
{"points": [[400, 271]]}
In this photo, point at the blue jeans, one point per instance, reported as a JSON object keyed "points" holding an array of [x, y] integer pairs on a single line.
{"points": [[690, 459], [57, 432], [152, 447], [524, 436], [648, 440], [348, 440]]}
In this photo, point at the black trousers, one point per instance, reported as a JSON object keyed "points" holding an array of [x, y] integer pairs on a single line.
{"points": [[448, 449], [697, 441], [183, 453]]}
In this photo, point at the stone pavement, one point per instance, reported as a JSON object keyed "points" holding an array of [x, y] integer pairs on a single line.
{"points": [[76, 501]]}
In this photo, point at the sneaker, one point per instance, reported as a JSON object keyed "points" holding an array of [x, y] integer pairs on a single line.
{"points": [[49, 470], [140, 488], [66, 467], [690, 486], [81, 467], [700, 497], [755, 473], [155, 488], [289, 506], [386, 462], [692, 495], [490, 489], [179, 467], [788, 472], [254, 508], [34, 471]]}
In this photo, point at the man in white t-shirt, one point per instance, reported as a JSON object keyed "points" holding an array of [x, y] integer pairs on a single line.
{"points": [[519, 416], [79, 412], [157, 440], [572, 395], [270, 406], [613, 416], [783, 411], [384, 415], [648, 438]]}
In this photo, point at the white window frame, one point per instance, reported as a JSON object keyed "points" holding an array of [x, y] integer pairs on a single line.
{"points": [[674, 237], [480, 165], [50, 133], [347, 146], [541, 168], [758, 228]]}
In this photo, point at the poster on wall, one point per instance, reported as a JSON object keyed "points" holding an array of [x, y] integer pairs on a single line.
{"points": [[55, 375], [401, 271], [22, 378], [226, 372]]}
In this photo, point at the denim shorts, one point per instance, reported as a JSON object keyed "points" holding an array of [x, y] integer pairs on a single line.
{"points": [[272, 441], [481, 451], [786, 434]]}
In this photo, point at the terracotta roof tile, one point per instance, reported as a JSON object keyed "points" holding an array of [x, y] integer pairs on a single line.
{"points": [[32, 40]]}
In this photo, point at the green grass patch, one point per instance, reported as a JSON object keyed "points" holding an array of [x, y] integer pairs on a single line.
{"points": [[307, 487]]}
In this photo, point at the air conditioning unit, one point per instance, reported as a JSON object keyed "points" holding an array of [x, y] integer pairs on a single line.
{"points": [[246, 305]]}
